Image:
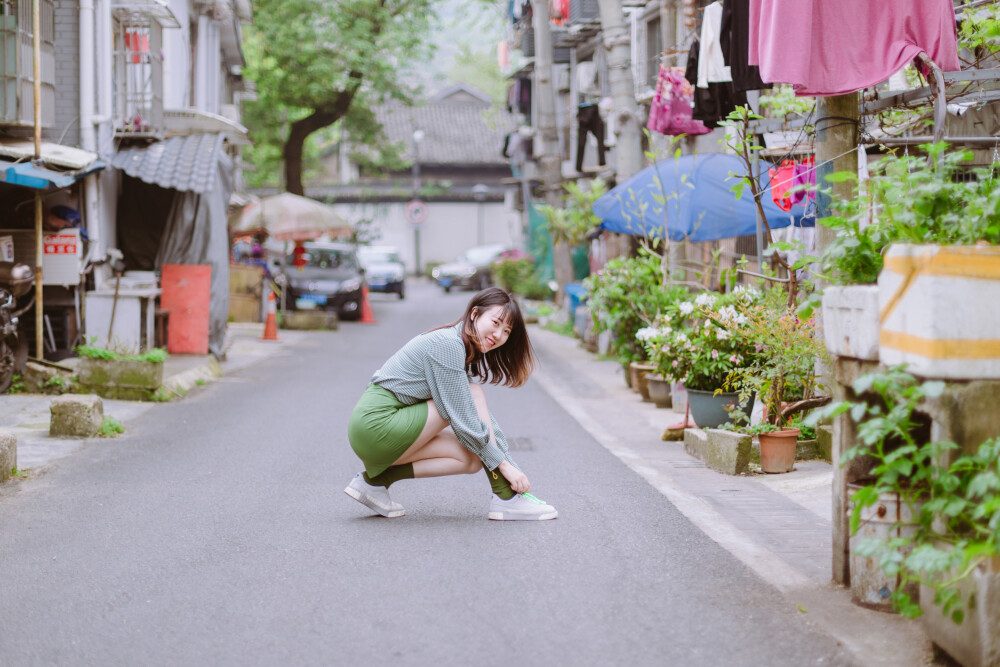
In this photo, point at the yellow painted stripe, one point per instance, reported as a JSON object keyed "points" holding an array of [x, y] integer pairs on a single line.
{"points": [[979, 263], [941, 348]]}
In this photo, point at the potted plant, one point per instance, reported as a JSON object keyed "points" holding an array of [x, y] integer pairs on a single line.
{"points": [[950, 546], [704, 349], [781, 369], [625, 296]]}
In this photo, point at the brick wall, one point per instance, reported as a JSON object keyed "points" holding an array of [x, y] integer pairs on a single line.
{"points": [[67, 52]]}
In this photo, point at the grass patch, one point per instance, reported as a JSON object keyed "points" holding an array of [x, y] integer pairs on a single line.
{"points": [[200, 382], [111, 428], [563, 328], [17, 472], [156, 355]]}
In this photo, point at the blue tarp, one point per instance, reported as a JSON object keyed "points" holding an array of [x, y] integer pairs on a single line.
{"points": [[694, 193], [28, 175]]}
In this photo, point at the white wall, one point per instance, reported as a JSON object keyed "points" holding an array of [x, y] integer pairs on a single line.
{"points": [[177, 58], [450, 229]]}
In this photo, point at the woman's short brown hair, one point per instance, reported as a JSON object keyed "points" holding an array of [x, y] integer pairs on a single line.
{"points": [[511, 363]]}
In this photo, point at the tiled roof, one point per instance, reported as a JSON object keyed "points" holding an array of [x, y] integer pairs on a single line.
{"points": [[465, 133], [181, 163]]}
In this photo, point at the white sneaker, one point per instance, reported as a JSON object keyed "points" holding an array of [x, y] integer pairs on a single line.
{"points": [[522, 507], [374, 497]]}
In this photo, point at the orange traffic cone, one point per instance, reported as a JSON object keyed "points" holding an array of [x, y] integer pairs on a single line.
{"points": [[367, 317], [271, 324]]}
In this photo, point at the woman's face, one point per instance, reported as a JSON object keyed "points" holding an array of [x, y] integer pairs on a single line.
{"points": [[491, 328]]}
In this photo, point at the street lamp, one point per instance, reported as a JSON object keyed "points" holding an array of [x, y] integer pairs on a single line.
{"points": [[480, 190], [418, 136]]}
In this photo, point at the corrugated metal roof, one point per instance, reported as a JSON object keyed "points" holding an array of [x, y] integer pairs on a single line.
{"points": [[180, 163], [454, 132]]}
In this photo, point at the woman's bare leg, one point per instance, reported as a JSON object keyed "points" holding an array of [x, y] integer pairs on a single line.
{"points": [[437, 452]]}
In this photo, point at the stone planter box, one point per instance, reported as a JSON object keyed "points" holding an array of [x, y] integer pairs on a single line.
{"points": [[850, 321], [120, 378], [976, 642], [937, 306], [727, 452]]}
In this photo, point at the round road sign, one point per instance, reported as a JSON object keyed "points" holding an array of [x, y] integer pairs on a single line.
{"points": [[416, 212]]}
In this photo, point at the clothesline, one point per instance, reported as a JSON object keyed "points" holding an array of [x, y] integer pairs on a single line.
{"points": [[771, 185]]}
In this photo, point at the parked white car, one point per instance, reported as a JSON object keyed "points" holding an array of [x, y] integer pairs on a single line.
{"points": [[384, 269]]}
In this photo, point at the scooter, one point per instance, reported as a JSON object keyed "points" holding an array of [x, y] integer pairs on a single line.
{"points": [[16, 280]]}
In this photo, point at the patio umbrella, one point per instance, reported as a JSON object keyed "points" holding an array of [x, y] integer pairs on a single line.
{"points": [[693, 193], [288, 217]]}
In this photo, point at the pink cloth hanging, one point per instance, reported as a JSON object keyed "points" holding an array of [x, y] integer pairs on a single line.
{"points": [[826, 47], [804, 181], [672, 106]]}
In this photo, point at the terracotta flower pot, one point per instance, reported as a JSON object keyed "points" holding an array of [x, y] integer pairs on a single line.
{"points": [[659, 390], [639, 372], [777, 450]]}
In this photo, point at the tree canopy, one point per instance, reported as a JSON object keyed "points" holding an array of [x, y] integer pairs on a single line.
{"points": [[326, 64]]}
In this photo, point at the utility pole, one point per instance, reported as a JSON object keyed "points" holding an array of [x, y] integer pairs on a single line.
{"points": [[628, 144], [549, 157], [836, 137]]}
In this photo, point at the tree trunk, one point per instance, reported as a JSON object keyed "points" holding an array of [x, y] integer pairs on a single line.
{"points": [[549, 159], [628, 145], [317, 120]]}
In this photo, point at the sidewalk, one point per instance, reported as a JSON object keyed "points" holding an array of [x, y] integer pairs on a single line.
{"points": [[777, 525], [27, 415]]}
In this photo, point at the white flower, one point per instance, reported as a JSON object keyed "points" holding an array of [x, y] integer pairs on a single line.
{"points": [[727, 314], [723, 334], [686, 308], [681, 339], [646, 333], [705, 299]]}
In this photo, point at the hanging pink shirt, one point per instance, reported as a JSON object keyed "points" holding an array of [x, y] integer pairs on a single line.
{"points": [[834, 47]]}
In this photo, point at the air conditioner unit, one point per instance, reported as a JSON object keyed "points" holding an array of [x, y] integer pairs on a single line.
{"points": [[582, 11], [17, 91]]}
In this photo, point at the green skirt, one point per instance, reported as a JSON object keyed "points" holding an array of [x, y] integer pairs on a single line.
{"points": [[381, 428]]}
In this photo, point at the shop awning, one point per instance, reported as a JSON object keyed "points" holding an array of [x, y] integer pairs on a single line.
{"points": [[59, 166], [188, 164]]}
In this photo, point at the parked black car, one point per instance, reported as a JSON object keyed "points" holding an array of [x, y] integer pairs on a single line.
{"points": [[331, 279], [473, 269]]}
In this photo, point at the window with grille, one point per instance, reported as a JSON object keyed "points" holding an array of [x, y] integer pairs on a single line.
{"points": [[138, 74], [17, 78], [654, 45]]}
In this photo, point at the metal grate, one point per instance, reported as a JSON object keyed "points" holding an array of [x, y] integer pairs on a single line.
{"points": [[138, 74], [17, 65]]}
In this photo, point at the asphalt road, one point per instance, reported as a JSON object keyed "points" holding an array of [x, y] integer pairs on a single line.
{"points": [[216, 532]]}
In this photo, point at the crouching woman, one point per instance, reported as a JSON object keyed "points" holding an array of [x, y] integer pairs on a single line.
{"points": [[399, 428]]}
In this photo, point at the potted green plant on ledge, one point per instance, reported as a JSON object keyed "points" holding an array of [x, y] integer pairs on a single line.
{"points": [[113, 375], [781, 370]]}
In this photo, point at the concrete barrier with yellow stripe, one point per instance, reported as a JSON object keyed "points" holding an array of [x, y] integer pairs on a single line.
{"points": [[939, 310]]}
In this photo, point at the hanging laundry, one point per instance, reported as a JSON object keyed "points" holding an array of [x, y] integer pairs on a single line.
{"points": [[781, 183], [711, 64], [714, 103], [734, 39], [671, 109], [833, 48], [804, 181], [589, 118]]}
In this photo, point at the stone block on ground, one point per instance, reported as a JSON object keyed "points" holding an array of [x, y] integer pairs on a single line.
{"points": [[8, 454], [78, 416], [722, 451], [309, 320]]}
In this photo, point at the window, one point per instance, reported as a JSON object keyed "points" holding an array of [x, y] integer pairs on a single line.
{"points": [[138, 74], [654, 45], [17, 92]]}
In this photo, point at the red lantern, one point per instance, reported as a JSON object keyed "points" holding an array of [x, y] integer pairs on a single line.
{"points": [[299, 255]]}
